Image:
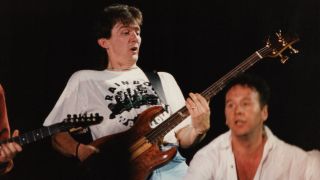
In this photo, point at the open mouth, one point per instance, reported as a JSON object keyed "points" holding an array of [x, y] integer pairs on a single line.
{"points": [[134, 49], [239, 122]]}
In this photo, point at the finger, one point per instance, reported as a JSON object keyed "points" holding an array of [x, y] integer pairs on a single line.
{"points": [[17, 147], [12, 150], [197, 102], [94, 149], [191, 102], [15, 133], [203, 102], [2, 155], [190, 107], [5, 152]]}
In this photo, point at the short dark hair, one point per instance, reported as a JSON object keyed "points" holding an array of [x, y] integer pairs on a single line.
{"points": [[254, 82], [113, 14]]}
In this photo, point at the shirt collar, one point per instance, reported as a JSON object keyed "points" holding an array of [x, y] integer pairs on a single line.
{"points": [[226, 142]]}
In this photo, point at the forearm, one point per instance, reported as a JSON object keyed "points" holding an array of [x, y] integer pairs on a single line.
{"points": [[189, 136], [65, 144]]}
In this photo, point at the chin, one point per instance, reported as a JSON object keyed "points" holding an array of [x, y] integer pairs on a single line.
{"points": [[135, 58], [239, 132]]}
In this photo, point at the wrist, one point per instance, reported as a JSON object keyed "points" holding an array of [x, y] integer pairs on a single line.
{"points": [[199, 131]]}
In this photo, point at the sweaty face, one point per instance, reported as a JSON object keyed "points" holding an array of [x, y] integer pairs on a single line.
{"points": [[244, 114], [124, 43]]}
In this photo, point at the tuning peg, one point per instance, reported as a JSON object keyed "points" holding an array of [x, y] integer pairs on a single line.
{"points": [[281, 39], [283, 58], [293, 50], [268, 43], [75, 118], [279, 34]]}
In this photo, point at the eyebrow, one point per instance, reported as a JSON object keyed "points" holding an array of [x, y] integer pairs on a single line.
{"points": [[130, 27]]}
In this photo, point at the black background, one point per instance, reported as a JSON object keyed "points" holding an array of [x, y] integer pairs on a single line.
{"points": [[43, 42]]}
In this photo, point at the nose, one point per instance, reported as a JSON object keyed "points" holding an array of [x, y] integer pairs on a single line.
{"points": [[237, 109], [135, 37]]}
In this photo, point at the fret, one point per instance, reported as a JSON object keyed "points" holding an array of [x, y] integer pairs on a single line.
{"points": [[23, 139], [37, 135]]}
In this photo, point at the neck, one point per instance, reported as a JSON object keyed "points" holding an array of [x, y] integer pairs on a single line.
{"points": [[121, 67], [249, 145]]}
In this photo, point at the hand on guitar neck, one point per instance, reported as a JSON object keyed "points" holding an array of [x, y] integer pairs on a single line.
{"points": [[7, 152], [199, 110]]}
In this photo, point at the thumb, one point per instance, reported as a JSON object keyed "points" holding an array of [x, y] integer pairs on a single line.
{"points": [[94, 149], [15, 133]]}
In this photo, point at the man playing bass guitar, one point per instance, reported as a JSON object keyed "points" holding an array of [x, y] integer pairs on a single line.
{"points": [[121, 93]]}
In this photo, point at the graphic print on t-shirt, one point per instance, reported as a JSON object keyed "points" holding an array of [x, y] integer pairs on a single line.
{"points": [[125, 97]]}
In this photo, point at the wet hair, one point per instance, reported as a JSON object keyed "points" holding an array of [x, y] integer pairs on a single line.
{"points": [[253, 82], [113, 14]]}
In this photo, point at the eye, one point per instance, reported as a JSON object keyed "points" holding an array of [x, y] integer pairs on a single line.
{"points": [[229, 105], [125, 32], [246, 103]]}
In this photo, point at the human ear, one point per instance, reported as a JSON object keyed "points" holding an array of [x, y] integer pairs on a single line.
{"points": [[103, 42], [265, 112]]}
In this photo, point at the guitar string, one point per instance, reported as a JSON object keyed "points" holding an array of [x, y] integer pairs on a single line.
{"points": [[213, 88]]}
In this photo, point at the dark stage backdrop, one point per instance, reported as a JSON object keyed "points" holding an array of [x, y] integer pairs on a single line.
{"points": [[43, 42]]}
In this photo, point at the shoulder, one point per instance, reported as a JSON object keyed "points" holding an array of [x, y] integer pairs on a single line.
{"points": [[314, 161], [216, 146], [220, 142], [293, 149], [211, 158], [281, 146], [83, 75], [289, 152]]}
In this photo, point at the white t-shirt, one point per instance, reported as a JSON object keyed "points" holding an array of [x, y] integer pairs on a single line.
{"points": [[119, 96], [279, 161]]}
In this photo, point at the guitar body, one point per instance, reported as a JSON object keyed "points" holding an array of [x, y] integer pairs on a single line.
{"points": [[129, 155]]}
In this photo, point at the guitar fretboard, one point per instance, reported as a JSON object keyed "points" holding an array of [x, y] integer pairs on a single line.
{"points": [[160, 131], [37, 134]]}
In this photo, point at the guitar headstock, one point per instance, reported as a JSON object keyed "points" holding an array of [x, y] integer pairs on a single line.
{"points": [[82, 120], [281, 43]]}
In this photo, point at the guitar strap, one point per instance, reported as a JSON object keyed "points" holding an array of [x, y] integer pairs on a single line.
{"points": [[156, 84]]}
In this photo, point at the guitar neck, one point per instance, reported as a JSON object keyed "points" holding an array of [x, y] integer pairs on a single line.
{"points": [[245, 65], [160, 131], [36, 135]]}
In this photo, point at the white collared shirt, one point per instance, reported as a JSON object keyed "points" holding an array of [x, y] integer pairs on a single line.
{"points": [[279, 161]]}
